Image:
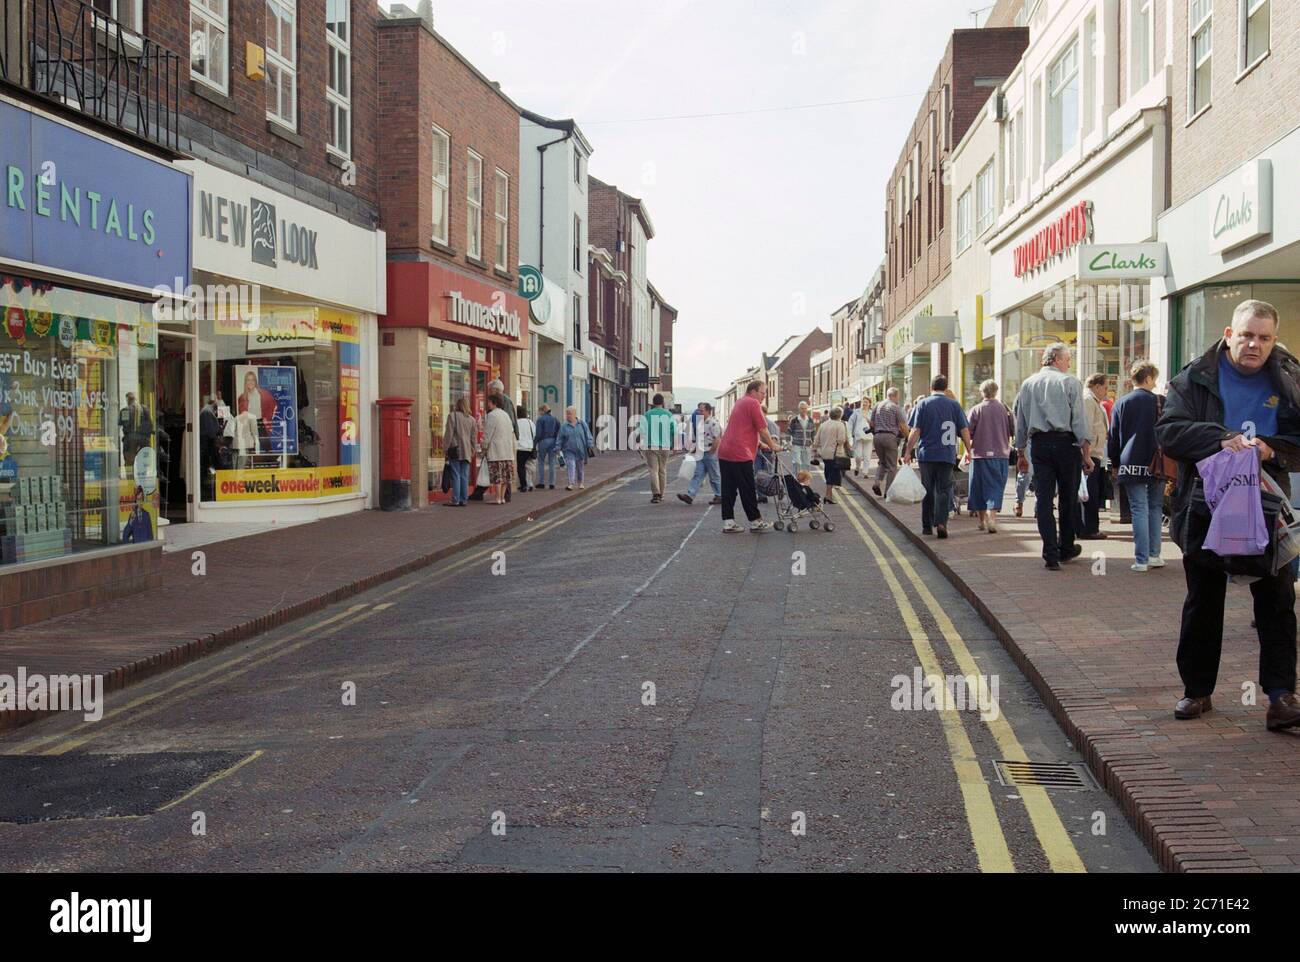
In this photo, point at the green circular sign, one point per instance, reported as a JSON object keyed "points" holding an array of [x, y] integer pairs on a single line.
{"points": [[531, 284]]}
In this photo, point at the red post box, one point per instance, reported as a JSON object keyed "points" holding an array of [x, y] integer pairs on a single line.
{"points": [[395, 453]]}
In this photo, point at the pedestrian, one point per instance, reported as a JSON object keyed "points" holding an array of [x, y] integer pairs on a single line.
{"points": [[889, 428], [746, 428], [1132, 446], [801, 429], [708, 432], [547, 439], [457, 448], [1050, 416], [991, 429], [576, 444], [936, 422], [1024, 478], [1098, 426], [831, 445], [860, 433], [499, 447], [526, 446], [496, 388], [1243, 393], [658, 435]]}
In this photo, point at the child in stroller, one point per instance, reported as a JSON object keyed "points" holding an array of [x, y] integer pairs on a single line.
{"points": [[797, 501]]}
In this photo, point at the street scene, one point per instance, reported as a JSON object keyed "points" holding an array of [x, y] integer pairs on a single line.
{"points": [[569, 438]]}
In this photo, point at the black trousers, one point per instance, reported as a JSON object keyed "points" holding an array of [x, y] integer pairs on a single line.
{"points": [[1057, 467], [521, 466], [1200, 642], [1090, 510], [738, 478]]}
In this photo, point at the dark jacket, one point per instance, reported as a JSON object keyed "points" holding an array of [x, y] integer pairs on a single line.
{"points": [[548, 428], [1131, 441], [1192, 428]]}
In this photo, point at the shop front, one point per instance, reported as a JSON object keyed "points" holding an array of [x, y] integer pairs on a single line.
{"points": [[85, 238], [546, 316], [1080, 269], [912, 352], [274, 363], [604, 386], [447, 335], [1238, 239]]}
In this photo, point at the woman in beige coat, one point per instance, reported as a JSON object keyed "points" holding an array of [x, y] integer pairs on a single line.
{"points": [[499, 447], [832, 442], [458, 448]]}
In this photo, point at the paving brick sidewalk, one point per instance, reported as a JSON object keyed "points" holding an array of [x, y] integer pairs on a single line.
{"points": [[1215, 794], [255, 583]]}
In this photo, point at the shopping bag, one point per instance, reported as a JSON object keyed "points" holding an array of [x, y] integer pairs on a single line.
{"points": [[446, 477], [1083, 489], [687, 470], [906, 487], [484, 478]]}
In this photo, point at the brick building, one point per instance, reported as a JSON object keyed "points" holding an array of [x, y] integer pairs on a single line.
{"points": [[449, 201], [1235, 150], [665, 316], [786, 371], [918, 205]]}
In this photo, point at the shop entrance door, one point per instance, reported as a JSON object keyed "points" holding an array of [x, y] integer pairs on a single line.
{"points": [[175, 386]]}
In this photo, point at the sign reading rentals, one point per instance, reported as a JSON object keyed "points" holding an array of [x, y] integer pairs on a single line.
{"points": [[1070, 229]]}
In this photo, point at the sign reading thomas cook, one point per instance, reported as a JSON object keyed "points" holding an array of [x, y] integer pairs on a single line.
{"points": [[288, 484], [1121, 261]]}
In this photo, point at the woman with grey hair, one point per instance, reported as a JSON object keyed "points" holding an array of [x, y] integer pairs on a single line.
{"points": [[832, 442], [991, 429]]}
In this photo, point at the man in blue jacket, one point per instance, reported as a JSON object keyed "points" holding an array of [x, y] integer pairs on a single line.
{"points": [[548, 436]]}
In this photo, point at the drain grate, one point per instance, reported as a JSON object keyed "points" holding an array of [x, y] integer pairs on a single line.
{"points": [[1059, 775]]}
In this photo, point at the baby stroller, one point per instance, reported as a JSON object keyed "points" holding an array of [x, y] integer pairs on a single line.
{"points": [[794, 501]]}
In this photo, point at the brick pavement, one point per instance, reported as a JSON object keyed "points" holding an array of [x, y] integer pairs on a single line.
{"points": [[1216, 794], [256, 583]]}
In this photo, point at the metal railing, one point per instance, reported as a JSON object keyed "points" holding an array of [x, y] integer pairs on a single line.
{"points": [[78, 57]]}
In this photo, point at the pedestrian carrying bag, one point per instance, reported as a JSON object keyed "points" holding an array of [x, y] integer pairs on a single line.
{"points": [[843, 461], [446, 477], [906, 487], [1163, 467], [1083, 489], [484, 476], [687, 471]]}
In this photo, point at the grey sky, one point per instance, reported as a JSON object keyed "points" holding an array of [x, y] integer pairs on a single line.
{"points": [[757, 215]]}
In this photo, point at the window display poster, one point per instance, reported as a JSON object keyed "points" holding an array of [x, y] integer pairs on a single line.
{"points": [[271, 395], [349, 403]]}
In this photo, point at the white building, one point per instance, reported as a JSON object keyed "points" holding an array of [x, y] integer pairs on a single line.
{"points": [[1084, 137], [553, 158]]}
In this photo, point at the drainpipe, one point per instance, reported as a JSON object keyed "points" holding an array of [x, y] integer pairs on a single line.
{"points": [[541, 229]]}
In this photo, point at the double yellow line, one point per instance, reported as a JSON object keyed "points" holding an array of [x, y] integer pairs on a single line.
{"points": [[151, 703], [991, 847]]}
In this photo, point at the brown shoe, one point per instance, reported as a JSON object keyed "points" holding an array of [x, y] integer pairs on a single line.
{"points": [[1284, 713], [1020, 510], [1196, 707]]}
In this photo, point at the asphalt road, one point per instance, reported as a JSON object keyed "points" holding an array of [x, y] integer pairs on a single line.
{"points": [[616, 687]]}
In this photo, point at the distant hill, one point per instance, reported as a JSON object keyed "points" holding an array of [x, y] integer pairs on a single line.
{"points": [[689, 397]]}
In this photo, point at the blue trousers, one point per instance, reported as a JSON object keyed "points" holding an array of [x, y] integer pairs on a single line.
{"points": [[459, 481], [706, 465], [1146, 501], [546, 454]]}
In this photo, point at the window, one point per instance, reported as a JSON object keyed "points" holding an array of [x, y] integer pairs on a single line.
{"points": [[1139, 33], [577, 243], [963, 221], [338, 91], [1201, 21], [1038, 128], [503, 220], [208, 27], [934, 143], [1011, 165], [441, 183], [984, 199], [577, 169], [577, 322], [1020, 149], [282, 62], [1089, 73], [474, 205], [947, 117], [1254, 21], [129, 13], [1063, 104]]}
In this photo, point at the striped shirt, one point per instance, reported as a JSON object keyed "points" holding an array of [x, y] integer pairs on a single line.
{"points": [[887, 418]]}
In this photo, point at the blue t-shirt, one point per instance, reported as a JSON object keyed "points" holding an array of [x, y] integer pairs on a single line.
{"points": [[941, 421], [1248, 400]]}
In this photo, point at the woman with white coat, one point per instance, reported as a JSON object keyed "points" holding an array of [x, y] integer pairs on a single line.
{"points": [[499, 448]]}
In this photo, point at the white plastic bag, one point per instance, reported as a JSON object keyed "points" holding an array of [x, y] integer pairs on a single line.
{"points": [[906, 487], [687, 470], [1083, 488], [484, 477]]}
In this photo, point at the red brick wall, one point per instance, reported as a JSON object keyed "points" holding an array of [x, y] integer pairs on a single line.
{"points": [[793, 368], [423, 82], [608, 217]]}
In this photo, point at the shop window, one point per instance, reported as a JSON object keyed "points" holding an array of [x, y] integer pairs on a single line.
{"points": [[286, 389], [474, 205], [1201, 61], [449, 381], [1254, 20], [503, 220], [338, 90], [1063, 104], [209, 26], [1205, 314], [282, 62], [441, 184], [81, 449]]}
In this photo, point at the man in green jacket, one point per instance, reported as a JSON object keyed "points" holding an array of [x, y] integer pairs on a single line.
{"points": [[658, 434]]}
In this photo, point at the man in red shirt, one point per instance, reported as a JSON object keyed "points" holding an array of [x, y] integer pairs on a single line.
{"points": [[736, 452]]}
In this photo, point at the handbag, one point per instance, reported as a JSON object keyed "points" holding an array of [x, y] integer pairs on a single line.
{"points": [[453, 453], [446, 477], [843, 461], [1162, 466]]}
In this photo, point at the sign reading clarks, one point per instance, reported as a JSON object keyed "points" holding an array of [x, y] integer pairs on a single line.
{"points": [[1099, 262], [1243, 209]]}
